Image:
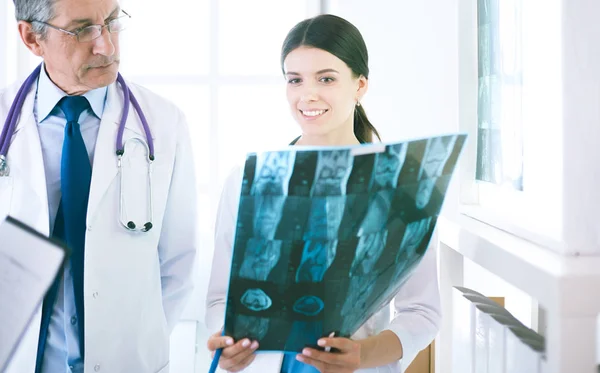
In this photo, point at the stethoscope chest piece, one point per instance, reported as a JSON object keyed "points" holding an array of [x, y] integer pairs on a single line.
{"points": [[125, 222]]}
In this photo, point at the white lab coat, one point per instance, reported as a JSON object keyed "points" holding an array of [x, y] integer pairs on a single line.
{"points": [[417, 315], [135, 284]]}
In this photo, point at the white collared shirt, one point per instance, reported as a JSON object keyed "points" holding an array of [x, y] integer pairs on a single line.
{"points": [[62, 347]]}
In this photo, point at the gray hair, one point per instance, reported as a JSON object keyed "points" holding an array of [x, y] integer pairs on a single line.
{"points": [[35, 10]]}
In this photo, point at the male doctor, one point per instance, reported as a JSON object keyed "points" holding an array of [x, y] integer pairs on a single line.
{"points": [[119, 297]]}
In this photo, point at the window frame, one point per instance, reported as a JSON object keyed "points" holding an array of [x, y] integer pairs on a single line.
{"points": [[526, 214]]}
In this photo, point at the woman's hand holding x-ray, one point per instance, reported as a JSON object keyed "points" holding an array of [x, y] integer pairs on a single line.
{"points": [[235, 356], [347, 360]]}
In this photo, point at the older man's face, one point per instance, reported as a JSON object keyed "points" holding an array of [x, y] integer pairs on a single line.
{"points": [[77, 67]]}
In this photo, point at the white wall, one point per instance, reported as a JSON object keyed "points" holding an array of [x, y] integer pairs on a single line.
{"points": [[413, 49], [413, 61], [4, 14], [581, 124]]}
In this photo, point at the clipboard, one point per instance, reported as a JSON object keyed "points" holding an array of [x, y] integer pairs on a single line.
{"points": [[29, 264]]}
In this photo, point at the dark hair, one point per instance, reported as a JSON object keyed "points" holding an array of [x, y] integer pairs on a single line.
{"points": [[342, 39]]}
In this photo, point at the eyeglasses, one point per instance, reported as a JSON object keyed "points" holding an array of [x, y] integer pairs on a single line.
{"points": [[93, 32]]}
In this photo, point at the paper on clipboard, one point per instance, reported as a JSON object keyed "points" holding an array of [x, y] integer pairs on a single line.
{"points": [[29, 263]]}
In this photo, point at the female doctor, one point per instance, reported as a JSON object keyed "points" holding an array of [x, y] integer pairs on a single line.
{"points": [[325, 63], [136, 229]]}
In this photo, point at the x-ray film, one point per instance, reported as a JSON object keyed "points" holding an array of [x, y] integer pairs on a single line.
{"points": [[327, 236]]}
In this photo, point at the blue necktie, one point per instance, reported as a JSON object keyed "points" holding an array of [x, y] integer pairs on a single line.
{"points": [[70, 224]]}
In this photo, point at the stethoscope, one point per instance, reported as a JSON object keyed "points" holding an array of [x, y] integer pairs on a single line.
{"points": [[11, 123]]}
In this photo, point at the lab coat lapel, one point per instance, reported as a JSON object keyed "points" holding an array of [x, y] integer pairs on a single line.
{"points": [[25, 159], [104, 169]]}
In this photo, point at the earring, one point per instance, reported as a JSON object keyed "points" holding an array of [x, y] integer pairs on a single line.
{"points": [[357, 103]]}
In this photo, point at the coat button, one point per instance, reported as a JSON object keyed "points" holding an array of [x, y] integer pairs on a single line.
{"points": [[97, 367], [73, 320], [95, 295]]}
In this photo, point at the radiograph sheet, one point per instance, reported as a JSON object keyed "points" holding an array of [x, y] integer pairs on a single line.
{"points": [[326, 237]]}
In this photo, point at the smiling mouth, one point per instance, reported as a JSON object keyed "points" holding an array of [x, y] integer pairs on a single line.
{"points": [[313, 113]]}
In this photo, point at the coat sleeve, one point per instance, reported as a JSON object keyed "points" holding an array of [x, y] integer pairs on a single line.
{"points": [[221, 265], [417, 308], [178, 241]]}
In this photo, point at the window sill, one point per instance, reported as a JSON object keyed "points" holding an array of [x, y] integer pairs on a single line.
{"points": [[511, 220], [561, 283]]}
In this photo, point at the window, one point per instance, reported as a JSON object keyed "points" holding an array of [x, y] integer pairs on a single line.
{"points": [[500, 97], [250, 34], [510, 82], [218, 60], [4, 28], [22, 61], [166, 41]]}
